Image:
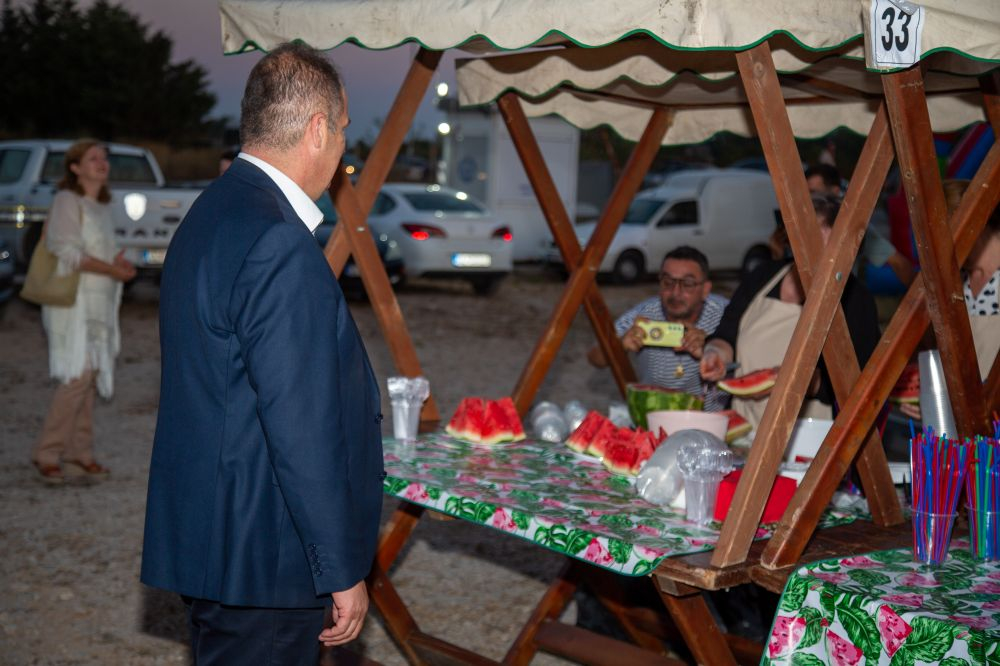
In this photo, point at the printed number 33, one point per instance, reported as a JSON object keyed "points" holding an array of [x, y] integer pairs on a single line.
{"points": [[901, 41]]}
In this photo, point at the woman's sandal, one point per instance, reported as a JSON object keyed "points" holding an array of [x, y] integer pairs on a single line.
{"points": [[51, 475], [91, 472]]}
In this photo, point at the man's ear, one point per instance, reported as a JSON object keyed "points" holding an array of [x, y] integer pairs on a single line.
{"points": [[316, 131]]}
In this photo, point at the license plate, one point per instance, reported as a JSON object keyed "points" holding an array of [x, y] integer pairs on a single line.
{"points": [[154, 257], [471, 260]]}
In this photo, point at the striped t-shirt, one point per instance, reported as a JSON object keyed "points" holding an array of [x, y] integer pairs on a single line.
{"points": [[663, 366]]}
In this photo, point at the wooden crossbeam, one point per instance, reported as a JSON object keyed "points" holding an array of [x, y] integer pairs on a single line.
{"points": [[562, 231], [911, 129], [821, 325], [584, 273], [351, 235], [857, 414]]}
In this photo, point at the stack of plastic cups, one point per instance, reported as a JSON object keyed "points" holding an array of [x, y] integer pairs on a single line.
{"points": [[935, 404], [407, 395], [703, 464], [548, 423]]}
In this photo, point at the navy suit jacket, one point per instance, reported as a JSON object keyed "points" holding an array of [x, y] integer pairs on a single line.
{"points": [[265, 485]]}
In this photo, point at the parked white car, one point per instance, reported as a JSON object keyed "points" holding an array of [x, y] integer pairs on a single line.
{"points": [[443, 232], [728, 214]]}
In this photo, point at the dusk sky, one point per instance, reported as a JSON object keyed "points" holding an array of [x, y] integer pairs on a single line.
{"points": [[372, 77]]}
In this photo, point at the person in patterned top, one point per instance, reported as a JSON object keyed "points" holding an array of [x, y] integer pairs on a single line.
{"points": [[685, 297]]}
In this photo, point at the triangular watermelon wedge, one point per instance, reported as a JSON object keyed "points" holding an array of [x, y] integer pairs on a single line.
{"points": [[751, 383], [513, 418], [580, 438]]}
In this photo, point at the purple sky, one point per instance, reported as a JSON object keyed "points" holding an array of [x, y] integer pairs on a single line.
{"points": [[372, 77]]}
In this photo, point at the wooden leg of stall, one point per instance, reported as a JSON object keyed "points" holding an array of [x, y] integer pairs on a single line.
{"points": [[911, 128], [858, 413], [351, 236], [562, 231], [821, 326], [582, 277]]}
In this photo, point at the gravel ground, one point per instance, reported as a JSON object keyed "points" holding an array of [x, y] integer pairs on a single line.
{"points": [[69, 589]]}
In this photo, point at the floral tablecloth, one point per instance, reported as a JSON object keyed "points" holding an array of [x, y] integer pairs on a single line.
{"points": [[550, 495], [883, 608]]}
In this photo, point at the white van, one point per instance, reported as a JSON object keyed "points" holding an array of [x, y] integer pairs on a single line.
{"points": [[728, 214]]}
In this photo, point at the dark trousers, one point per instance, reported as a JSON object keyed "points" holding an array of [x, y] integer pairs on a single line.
{"points": [[236, 635]]}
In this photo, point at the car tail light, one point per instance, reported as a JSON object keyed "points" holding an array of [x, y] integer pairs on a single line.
{"points": [[504, 233], [422, 232]]}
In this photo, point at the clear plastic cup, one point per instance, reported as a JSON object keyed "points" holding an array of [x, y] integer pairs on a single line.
{"points": [[932, 536], [699, 497], [406, 419], [984, 535]]}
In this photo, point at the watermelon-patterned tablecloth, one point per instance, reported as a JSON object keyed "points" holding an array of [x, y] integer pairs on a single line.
{"points": [[550, 495], [883, 608]]}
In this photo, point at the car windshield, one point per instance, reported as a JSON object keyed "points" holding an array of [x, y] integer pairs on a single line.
{"points": [[134, 169], [641, 210], [446, 202]]}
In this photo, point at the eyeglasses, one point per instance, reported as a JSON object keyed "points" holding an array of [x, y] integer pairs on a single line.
{"points": [[668, 283]]}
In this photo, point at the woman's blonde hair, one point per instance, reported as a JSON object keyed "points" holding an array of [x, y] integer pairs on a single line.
{"points": [[74, 155]]}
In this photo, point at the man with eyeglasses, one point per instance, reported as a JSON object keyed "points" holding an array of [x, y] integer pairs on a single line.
{"points": [[685, 298]]}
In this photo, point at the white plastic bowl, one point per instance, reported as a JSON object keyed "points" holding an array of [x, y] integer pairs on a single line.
{"points": [[807, 436], [673, 420]]}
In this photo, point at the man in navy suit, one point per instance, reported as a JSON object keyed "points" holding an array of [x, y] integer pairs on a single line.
{"points": [[266, 475]]}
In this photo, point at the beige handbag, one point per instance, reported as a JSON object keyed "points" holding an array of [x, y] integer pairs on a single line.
{"points": [[41, 284]]}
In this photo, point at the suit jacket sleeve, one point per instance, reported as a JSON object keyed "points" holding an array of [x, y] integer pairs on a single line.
{"points": [[290, 318]]}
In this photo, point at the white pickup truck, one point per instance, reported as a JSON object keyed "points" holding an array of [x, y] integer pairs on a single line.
{"points": [[145, 211]]}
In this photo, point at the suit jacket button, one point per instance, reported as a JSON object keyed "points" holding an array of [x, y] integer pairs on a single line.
{"points": [[378, 419]]}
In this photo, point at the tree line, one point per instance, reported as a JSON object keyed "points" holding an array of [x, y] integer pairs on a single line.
{"points": [[99, 72]]}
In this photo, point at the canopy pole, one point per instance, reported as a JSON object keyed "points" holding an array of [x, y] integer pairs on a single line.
{"points": [[857, 414], [582, 277], [821, 325], [351, 236], [562, 231], [911, 129]]}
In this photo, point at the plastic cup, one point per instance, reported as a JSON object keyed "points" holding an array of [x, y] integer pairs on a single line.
{"points": [[699, 496], [932, 536], [406, 419], [984, 535]]}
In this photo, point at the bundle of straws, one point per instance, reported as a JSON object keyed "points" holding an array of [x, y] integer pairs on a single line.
{"points": [[938, 466], [982, 494]]}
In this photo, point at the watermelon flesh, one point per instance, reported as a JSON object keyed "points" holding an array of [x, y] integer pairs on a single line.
{"points": [[621, 458], [645, 398], [907, 388], [486, 421], [737, 426], [750, 384], [599, 444]]}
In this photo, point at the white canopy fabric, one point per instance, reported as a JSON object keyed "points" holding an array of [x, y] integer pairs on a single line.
{"points": [[618, 85], [969, 27]]}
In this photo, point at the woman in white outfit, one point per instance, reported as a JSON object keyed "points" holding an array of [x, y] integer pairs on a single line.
{"points": [[83, 338]]}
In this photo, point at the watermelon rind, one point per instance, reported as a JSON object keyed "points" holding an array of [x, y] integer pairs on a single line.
{"points": [[644, 398], [751, 383]]}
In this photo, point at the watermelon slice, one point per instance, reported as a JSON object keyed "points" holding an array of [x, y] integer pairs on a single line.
{"points": [[737, 427], [486, 421], [645, 444], [621, 457], [907, 388], [513, 418], [645, 398], [579, 440], [603, 436], [750, 384]]}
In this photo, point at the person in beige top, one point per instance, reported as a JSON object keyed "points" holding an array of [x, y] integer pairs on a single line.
{"points": [[83, 338]]}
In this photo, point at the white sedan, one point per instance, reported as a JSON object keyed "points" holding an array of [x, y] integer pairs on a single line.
{"points": [[442, 232]]}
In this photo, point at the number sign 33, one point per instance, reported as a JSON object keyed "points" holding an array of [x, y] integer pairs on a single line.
{"points": [[894, 34]]}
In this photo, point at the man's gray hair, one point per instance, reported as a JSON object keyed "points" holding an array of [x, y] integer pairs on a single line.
{"points": [[285, 88]]}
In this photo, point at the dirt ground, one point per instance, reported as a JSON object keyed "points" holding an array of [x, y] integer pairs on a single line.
{"points": [[69, 556]]}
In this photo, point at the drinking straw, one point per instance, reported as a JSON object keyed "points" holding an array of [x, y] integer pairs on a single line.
{"points": [[938, 469], [982, 494]]}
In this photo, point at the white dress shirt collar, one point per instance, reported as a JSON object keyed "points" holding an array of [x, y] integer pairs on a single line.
{"points": [[304, 207]]}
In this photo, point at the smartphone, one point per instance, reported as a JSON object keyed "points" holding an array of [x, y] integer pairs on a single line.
{"points": [[662, 333]]}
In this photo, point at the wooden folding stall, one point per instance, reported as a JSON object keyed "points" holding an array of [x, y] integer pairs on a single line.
{"points": [[673, 74]]}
